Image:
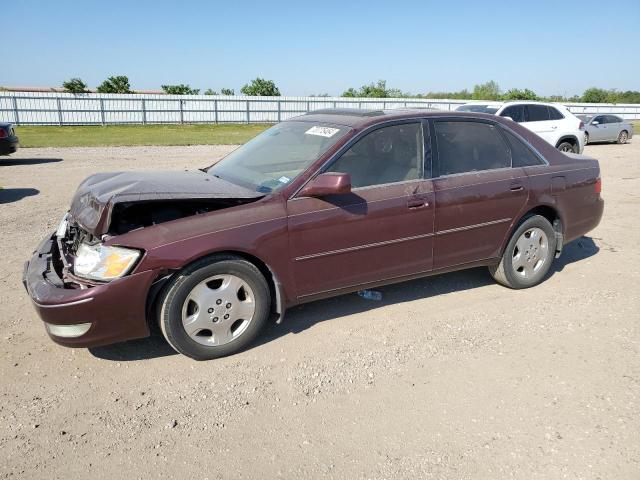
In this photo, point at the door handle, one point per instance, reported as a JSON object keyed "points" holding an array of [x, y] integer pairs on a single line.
{"points": [[554, 127], [516, 187], [417, 203]]}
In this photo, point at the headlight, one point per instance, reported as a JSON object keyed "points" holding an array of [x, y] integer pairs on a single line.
{"points": [[99, 262]]}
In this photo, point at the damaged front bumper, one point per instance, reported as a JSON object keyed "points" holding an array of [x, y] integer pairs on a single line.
{"points": [[78, 315]]}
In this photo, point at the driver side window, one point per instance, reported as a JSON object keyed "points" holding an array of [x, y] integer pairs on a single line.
{"points": [[386, 155]]}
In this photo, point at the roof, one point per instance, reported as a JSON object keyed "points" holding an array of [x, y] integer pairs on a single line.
{"points": [[357, 117]]}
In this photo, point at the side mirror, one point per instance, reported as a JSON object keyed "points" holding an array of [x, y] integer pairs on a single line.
{"points": [[595, 122], [330, 183], [507, 117]]}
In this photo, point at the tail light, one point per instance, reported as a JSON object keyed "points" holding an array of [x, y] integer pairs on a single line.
{"points": [[3, 133], [598, 186], [581, 127]]}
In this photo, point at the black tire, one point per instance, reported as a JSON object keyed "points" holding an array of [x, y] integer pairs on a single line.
{"points": [[586, 139], [505, 274], [180, 286], [623, 136], [567, 147]]}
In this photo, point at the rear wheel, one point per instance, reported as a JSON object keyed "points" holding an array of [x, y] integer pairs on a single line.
{"points": [[214, 307], [623, 136], [566, 147], [528, 255]]}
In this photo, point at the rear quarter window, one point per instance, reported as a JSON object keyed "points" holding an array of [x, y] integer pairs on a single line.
{"points": [[521, 154], [554, 114]]}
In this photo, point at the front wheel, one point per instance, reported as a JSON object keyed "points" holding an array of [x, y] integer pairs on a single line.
{"points": [[586, 138], [623, 136], [528, 255], [566, 147], [215, 307]]}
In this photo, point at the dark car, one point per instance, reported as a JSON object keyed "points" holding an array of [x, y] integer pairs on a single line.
{"points": [[8, 139], [327, 203]]}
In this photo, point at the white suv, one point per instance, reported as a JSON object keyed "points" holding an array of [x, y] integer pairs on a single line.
{"points": [[553, 122]]}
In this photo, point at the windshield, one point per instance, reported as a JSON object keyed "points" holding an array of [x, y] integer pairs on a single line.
{"points": [[478, 108], [278, 155]]}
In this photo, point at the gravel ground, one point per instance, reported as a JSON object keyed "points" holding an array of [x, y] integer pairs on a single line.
{"points": [[450, 377]]}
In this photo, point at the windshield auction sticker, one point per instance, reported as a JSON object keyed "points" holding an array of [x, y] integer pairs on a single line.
{"points": [[322, 131]]}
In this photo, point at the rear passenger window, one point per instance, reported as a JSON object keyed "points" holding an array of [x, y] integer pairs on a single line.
{"points": [[538, 113], [516, 112], [554, 114], [465, 146], [613, 119], [521, 155]]}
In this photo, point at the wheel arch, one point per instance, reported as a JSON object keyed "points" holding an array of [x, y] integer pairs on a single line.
{"points": [[278, 306], [549, 212], [568, 138]]}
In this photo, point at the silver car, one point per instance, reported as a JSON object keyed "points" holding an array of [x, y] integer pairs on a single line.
{"points": [[606, 128]]}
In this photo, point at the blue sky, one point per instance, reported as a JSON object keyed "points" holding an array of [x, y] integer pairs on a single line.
{"points": [[552, 47]]}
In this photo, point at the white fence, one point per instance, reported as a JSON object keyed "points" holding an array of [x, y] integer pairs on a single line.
{"points": [[24, 108]]}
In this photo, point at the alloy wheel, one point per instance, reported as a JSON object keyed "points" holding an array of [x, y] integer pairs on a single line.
{"points": [[218, 310], [530, 252]]}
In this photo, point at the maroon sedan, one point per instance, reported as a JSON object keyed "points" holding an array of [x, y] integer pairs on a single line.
{"points": [[324, 204]]}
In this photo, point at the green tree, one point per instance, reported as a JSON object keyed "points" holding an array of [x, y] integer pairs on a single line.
{"points": [[351, 92], [595, 95], [228, 91], [117, 84], [376, 90], [75, 85], [630, 96], [486, 91], [210, 91], [261, 87], [461, 95], [517, 94], [180, 90]]}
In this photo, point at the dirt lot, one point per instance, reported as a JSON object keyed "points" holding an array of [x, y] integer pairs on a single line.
{"points": [[447, 377]]}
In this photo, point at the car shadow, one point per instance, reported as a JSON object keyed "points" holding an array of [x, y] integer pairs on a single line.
{"points": [[302, 317], [27, 161], [9, 195], [580, 249]]}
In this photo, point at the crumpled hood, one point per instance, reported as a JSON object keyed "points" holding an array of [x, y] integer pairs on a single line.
{"points": [[96, 196]]}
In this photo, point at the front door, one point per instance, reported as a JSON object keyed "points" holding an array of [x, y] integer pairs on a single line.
{"points": [[598, 132], [478, 192], [382, 230]]}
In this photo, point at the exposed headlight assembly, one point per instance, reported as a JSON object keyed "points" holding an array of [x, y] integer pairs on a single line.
{"points": [[99, 262]]}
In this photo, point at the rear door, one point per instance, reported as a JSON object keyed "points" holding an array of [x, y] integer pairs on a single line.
{"points": [[382, 230], [538, 120], [478, 193], [614, 125]]}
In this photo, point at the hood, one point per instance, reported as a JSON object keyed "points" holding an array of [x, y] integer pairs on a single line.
{"points": [[97, 195]]}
